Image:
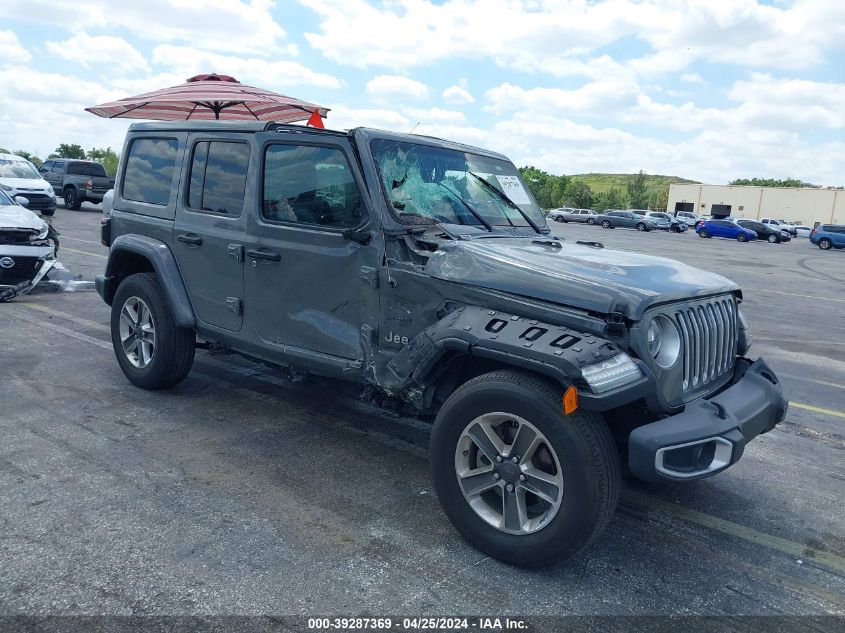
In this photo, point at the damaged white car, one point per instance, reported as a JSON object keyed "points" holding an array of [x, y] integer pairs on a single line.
{"points": [[28, 247]]}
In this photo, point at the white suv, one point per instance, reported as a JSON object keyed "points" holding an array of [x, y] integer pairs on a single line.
{"points": [[19, 177], [780, 224]]}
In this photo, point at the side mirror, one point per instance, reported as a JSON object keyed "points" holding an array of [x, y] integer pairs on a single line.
{"points": [[24, 202]]}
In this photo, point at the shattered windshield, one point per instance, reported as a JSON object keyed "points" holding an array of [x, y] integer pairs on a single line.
{"points": [[17, 169], [426, 185]]}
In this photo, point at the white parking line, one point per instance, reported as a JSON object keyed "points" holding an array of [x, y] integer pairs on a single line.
{"points": [[792, 294]]}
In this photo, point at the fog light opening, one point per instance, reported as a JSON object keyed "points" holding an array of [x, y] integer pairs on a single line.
{"points": [[694, 459]]}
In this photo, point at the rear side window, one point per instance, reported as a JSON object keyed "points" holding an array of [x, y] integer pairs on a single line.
{"points": [[149, 170], [218, 177], [307, 184], [79, 169], [97, 169]]}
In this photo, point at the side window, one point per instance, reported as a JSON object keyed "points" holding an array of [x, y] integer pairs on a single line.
{"points": [[149, 170], [310, 185], [98, 170], [58, 167], [46, 166], [79, 169], [218, 177]]}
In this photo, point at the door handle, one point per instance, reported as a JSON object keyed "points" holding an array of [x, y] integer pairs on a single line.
{"points": [[269, 256], [190, 238]]}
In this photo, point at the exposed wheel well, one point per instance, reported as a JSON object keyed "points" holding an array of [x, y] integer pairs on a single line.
{"points": [[123, 264]]}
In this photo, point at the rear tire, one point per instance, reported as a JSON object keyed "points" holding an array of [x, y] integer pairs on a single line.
{"points": [[151, 349], [71, 199], [577, 451], [825, 244], [703, 233]]}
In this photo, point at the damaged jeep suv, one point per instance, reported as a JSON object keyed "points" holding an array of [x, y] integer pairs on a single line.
{"points": [[424, 270]]}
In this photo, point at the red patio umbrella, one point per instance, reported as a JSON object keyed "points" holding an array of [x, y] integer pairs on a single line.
{"points": [[209, 97]]}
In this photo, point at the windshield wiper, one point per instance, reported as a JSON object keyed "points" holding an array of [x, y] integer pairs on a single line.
{"points": [[507, 200], [477, 215]]}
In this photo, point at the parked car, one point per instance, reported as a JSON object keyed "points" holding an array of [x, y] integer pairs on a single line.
{"points": [[780, 224], [19, 177], [628, 219], [687, 216], [725, 228], [666, 222], [828, 236], [270, 241], [802, 231], [767, 232], [584, 216], [559, 214], [77, 181], [27, 247]]}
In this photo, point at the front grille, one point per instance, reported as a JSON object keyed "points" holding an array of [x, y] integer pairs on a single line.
{"points": [[708, 340], [24, 269], [16, 236], [38, 201]]}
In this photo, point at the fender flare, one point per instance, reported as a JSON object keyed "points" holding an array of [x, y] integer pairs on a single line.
{"points": [[554, 351], [166, 269]]}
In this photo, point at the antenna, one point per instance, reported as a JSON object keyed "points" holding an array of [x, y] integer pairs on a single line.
{"points": [[414, 128]]}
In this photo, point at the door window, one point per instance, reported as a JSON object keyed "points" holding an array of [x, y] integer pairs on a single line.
{"points": [[307, 184], [149, 170], [218, 177], [58, 167], [79, 169]]}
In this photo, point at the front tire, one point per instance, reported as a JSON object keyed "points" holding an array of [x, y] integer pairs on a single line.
{"points": [[641, 227], [773, 239], [151, 349], [550, 503], [605, 224], [591, 221], [741, 238], [825, 244]]}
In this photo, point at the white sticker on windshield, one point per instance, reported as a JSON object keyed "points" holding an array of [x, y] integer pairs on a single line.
{"points": [[513, 189]]}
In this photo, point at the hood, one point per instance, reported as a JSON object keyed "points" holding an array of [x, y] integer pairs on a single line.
{"points": [[598, 280], [13, 216], [36, 185]]}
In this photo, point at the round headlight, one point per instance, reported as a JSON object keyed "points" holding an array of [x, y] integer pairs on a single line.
{"points": [[664, 341]]}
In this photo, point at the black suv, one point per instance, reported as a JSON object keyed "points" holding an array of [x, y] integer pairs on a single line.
{"points": [[423, 270]]}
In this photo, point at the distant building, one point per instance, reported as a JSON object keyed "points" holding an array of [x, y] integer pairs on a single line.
{"points": [[805, 205]]}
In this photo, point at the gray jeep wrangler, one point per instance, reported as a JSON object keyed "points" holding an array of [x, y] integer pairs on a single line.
{"points": [[424, 271]]}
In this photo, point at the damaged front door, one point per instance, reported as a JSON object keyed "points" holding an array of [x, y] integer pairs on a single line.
{"points": [[301, 265]]}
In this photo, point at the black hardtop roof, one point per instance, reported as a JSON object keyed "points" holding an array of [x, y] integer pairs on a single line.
{"points": [[264, 126]]}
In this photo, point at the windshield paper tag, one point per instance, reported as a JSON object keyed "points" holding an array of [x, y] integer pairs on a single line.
{"points": [[512, 188]]}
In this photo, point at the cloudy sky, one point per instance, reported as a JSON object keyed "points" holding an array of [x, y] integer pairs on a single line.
{"points": [[705, 89]]}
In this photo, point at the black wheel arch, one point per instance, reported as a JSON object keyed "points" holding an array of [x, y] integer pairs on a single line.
{"points": [[130, 254]]}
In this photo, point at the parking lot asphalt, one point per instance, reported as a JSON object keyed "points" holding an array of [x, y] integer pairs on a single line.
{"points": [[238, 492]]}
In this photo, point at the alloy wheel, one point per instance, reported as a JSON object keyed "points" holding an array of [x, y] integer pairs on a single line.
{"points": [[137, 332]]}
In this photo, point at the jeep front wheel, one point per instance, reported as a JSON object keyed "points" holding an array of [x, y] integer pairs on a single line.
{"points": [[151, 349], [519, 479]]}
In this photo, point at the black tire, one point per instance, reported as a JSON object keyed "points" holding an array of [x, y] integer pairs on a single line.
{"points": [[703, 233], [559, 219], [773, 239], [590, 221], [590, 467], [605, 224], [741, 238], [71, 199], [825, 244], [173, 353], [641, 226]]}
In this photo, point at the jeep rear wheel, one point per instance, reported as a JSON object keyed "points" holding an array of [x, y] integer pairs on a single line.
{"points": [[519, 479], [151, 349]]}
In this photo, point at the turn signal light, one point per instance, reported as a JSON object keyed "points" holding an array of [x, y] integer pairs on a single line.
{"points": [[570, 400]]}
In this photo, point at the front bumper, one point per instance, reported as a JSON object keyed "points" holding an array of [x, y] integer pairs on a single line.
{"points": [[29, 266], [710, 435]]}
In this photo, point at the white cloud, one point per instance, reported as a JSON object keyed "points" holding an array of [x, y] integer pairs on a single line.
{"points": [[343, 117], [457, 95], [436, 115], [85, 50], [11, 49], [692, 78], [221, 25], [388, 87], [270, 74]]}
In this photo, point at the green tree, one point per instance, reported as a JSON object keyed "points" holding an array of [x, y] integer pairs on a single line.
{"points": [[69, 150], [538, 182], [580, 194], [613, 198], [638, 191], [659, 199], [105, 156], [32, 158]]}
